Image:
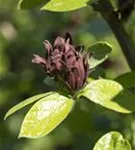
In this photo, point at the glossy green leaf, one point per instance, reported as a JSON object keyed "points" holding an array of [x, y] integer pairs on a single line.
{"points": [[127, 80], [110, 94], [112, 141], [64, 5], [26, 4], [45, 115], [100, 52], [25, 103]]}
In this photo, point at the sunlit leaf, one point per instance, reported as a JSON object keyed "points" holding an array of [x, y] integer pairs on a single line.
{"points": [[45, 115], [112, 141], [110, 94], [64, 5], [25, 103], [100, 51]]}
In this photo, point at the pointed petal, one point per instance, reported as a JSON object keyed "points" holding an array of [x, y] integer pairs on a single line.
{"points": [[80, 75], [59, 41], [38, 60], [71, 80], [67, 46], [48, 46], [70, 57]]}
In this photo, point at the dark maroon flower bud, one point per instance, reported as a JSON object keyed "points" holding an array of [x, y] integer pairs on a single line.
{"points": [[65, 61]]}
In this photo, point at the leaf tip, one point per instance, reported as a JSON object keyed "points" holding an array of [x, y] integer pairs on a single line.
{"points": [[21, 135], [45, 8], [6, 116], [42, 8], [24, 135]]}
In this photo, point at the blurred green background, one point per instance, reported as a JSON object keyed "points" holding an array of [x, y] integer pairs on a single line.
{"points": [[21, 35]]}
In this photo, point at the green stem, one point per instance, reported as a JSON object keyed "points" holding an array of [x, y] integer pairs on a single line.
{"points": [[105, 8]]}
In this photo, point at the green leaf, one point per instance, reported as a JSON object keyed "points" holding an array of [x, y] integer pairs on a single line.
{"points": [[25, 103], [112, 141], [45, 115], [26, 4], [127, 80], [98, 72], [110, 94], [100, 51], [64, 5]]}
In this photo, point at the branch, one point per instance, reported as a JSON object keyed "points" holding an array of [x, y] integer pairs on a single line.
{"points": [[105, 8]]}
